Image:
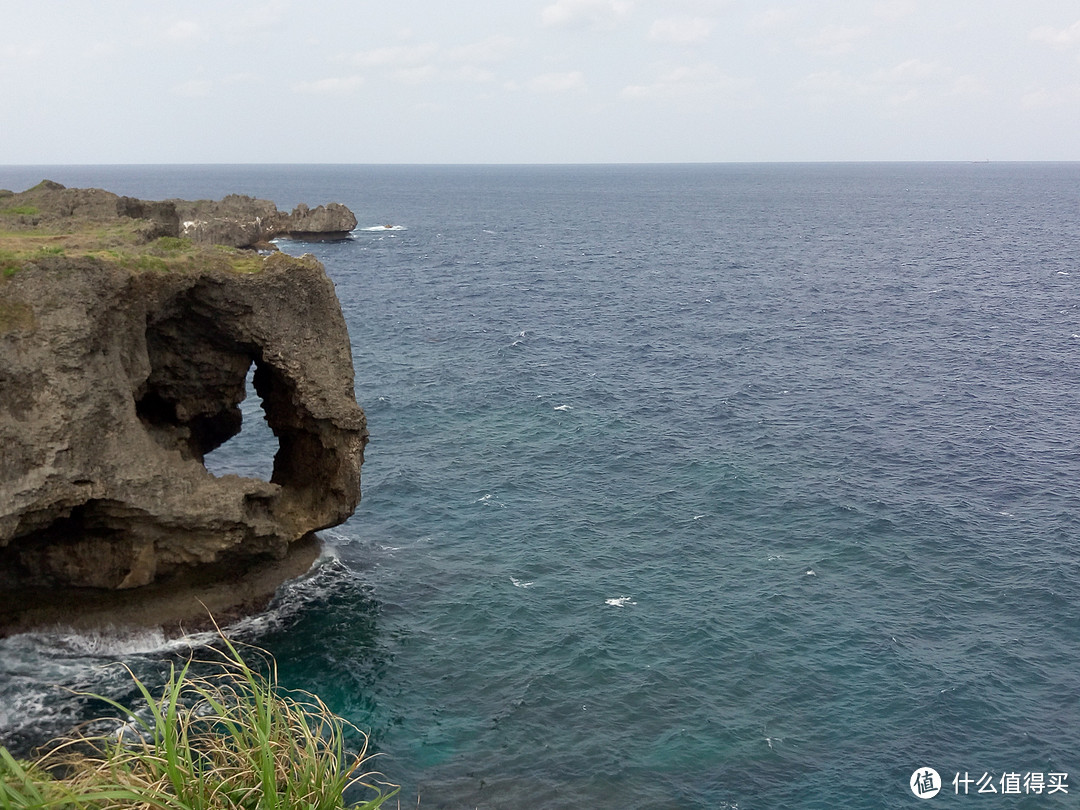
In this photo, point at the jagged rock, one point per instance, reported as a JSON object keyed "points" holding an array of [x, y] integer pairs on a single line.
{"points": [[241, 221], [57, 205], [331, 221], [114, 385]]}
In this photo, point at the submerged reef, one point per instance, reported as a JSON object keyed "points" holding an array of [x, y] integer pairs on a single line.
{"points": [[124, 354]]}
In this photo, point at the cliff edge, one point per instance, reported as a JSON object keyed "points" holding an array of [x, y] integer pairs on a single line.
{"points": [[124, 351]]}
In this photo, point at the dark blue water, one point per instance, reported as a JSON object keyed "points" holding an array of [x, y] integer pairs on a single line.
{"points": [[743, 486]]}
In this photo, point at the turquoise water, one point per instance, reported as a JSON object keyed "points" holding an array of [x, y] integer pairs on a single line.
{"points": [[689, 486]]}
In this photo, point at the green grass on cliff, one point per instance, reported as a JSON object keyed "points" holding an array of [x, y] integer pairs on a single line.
{"points": [[232, 740], [120, 244]]}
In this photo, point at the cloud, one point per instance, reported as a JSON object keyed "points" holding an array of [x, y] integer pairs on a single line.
{"points": [[493, 49], [826, 84], [893, 10], [1057, 37], [194, 88], [904, 83], [583, 13], [182, 31], [910, 71], [835, 40], [681, 30], [774, 19], [1044, 98], [687, 80], [21, 52], [573, 81], [394, 56], [331, 86]]}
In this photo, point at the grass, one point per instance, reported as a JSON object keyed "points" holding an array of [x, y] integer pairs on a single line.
{"points": [[120, 244], [232, 740], [21, 210]]}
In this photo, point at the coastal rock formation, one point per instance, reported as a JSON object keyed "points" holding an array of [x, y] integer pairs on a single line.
{"points": [[116, 381], [241, 221]]}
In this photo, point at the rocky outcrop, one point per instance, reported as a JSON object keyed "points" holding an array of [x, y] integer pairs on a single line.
{"points": [[116, 382], [241, 221], [52, 205]]}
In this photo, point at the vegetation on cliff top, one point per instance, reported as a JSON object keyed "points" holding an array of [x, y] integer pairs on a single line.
{"points": [[232, 740], [37, 225]]}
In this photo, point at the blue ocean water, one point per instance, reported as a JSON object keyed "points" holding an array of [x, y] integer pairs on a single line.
{"points": [[724, 486]]}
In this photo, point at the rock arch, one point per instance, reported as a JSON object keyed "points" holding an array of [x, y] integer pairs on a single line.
{"points": [[128, 379]]}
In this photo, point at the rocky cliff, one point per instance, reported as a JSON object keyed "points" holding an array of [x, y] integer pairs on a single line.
{"points": [[241, 221], [123, 358]]}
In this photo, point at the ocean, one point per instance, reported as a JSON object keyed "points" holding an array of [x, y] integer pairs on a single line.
{"points": [[689, 486]]}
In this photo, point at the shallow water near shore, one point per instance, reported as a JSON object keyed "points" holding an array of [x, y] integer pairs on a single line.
{"points": [[689, 486]]}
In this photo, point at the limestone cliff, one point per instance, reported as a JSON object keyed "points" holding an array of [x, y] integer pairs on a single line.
{"points": [[122, 367], [242, 221]]}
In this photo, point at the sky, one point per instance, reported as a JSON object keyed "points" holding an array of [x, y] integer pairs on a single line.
{"points": [[538, 81]]}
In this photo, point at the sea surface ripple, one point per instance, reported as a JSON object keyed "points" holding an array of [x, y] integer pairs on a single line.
{"points": [[733, 486]]}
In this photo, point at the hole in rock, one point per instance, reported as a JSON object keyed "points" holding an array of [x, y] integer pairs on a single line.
{"points": [[251, 452]]}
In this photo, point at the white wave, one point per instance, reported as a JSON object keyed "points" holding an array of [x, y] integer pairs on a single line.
{"points": [[381, 228], [520, 584], [620, 601], [810, 572], [563, 408]]}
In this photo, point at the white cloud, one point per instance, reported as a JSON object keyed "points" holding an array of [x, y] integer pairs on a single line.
{"points": [[835, 40], [686, 80], [826, 84], [417, 74], [194, 88], [331, 86], [1047, 98], [971, 86], [182, 31], [101, 50], [893, 10], [580, 13], [681, 30], [573, 81], [394, 56], [699, 6], [774, 19], [472, 73], [911, 71], [493, 49], [1058, 37], [21, 52], [906, 82]]}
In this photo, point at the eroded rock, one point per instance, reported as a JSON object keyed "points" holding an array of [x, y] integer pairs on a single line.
{"points": [[114, 385], [241, 221]]}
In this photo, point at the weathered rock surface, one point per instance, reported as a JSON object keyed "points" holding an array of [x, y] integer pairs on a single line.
{"points": [[114, 385], [241, 221]]}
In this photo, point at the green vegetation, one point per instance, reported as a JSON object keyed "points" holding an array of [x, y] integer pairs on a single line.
{"points": [[121, 244], [229, 741], [173, 245], [21, 210]]}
